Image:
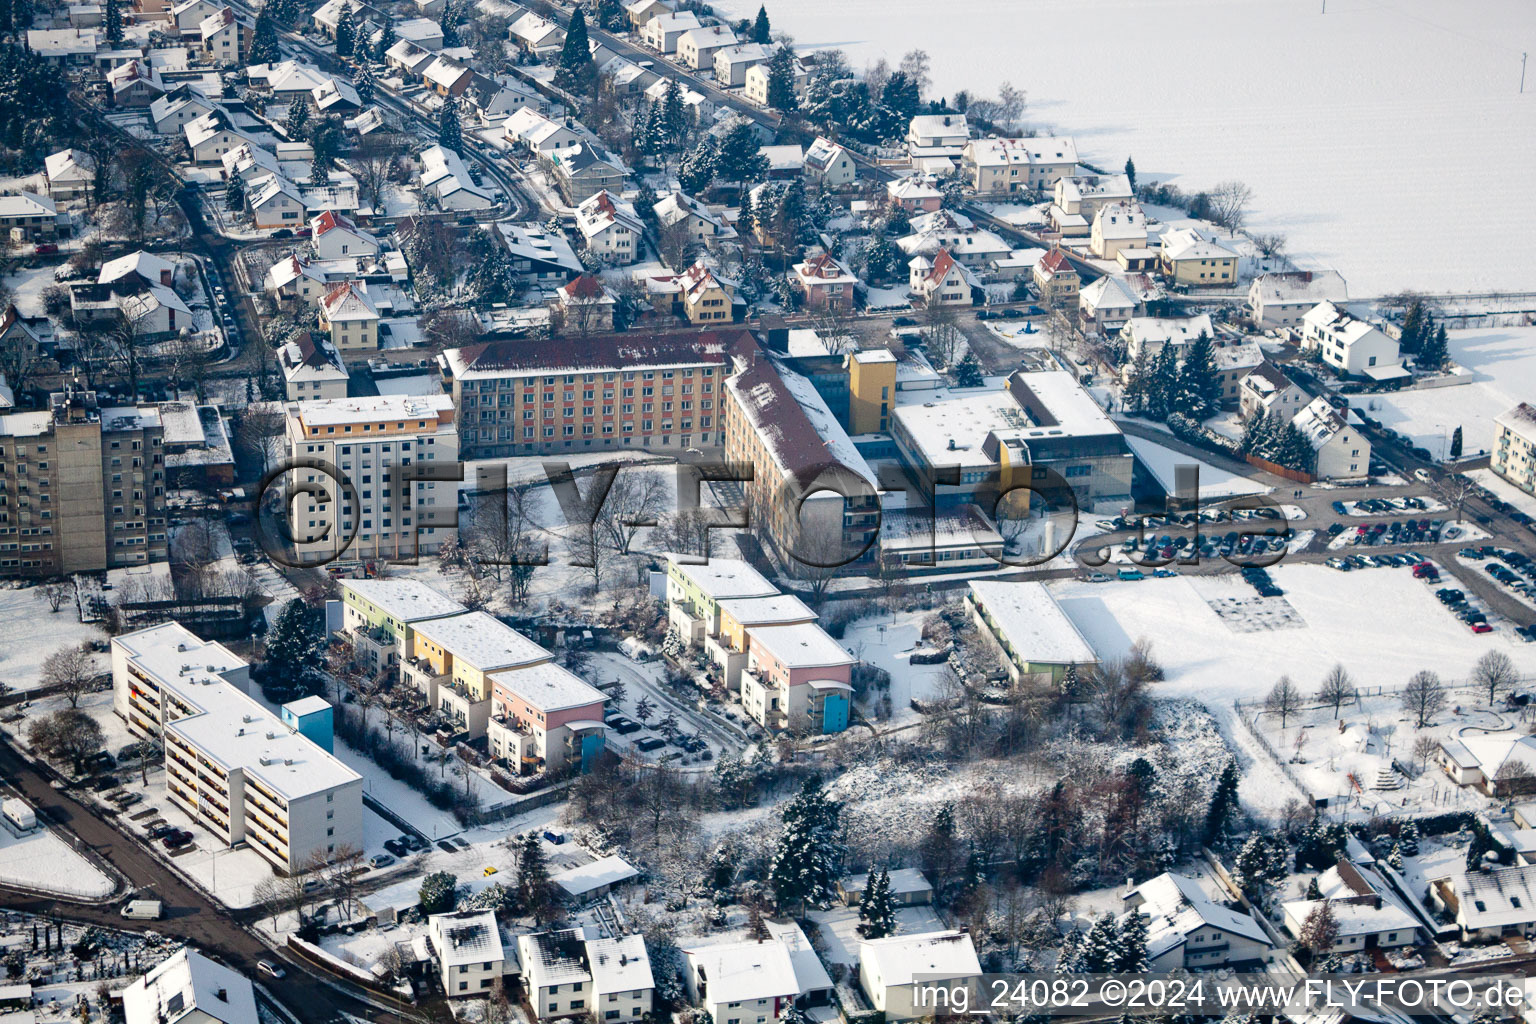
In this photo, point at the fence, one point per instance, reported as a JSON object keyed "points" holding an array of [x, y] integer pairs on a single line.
{"points": [[1279, 470]]}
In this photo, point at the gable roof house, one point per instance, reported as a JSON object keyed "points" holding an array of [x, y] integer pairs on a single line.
{"points": [[1369, 914], [610, 227], [226, 36], [494, 102], [349, 314], [948, 229], [1491, 904], [678, 210], [697, 106], [37, 216], [1107, 304], [135, 85], [408, 58], [941, 135], [212, 135], [1340, 449], [189, 14], [830, 164], [1188, 929], [275, 202], [889, 967], [69, 173], [755, 83], [825, 283], [1189, 258], [189, 987], [1056, 280], [1350, 345], [178, 107], [697, 47], [535, 34], [1281, 299], [1117, 226], [913, 194], [1266, 389], [663, 31], [333, 236], [732, 63], [1004, 166], [538, 133], [537, 255], [698, 294], [446, 77], [585, 305], [744, 981], [312, 368], [639, 12], [444, 175], [941, 281], [1077, 198]]}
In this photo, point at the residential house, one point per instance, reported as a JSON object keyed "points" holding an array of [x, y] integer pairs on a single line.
{"points": [[745, 982], [543, 718], [534, 34], [1077, 199], [1281, 299], [447, 180], [70, 173], [36, 217], [941, 281], [582, 172], [1368, 913], [889, 969], [494, 102], [379, 618], [610, 228], [697, 47], [64, 46], [1341, 451], [1056, 281], [733, 62], [1514, 450], [424, 32], [1489, 905], [295, 283], [585, 306], [755, 83], [909, 888], [539, 134], [595, 879], [825, 283], [188, 16], [312, 368], [333, 236], [210, 136], [1039, 643], [409, 59], [248, 162], [680, 212], [328, 15], [568, 975], [698, 294], [1267, 390], [178, 107], [696, 592], [913, 195], [969, 245], [1350, 345], [797, 677], [937, 135], [275, 202], [663, 31], [226, 36], [830, 164], [1118, 226], [134, 85], [469, 952], [695, 104], [1006, 166], [350, 316], [737, 617], [1107, 304], [639, 12], [1234, 359], [1188, 929], [1145, 336], [190, 988], [336, 97], [446, 77], [1189, 258], [625, 77], [539, 256]]}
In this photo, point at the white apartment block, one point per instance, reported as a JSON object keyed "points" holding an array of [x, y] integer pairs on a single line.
{"points": [[233, 766], [370, 442], [1514, 450], [1350, 345]]}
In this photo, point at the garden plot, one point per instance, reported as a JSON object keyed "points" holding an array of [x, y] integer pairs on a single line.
{"points": [[44, 862]]}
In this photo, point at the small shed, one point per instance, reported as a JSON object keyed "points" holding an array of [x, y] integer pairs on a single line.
{"points": [[908, 888], [590, 881]]}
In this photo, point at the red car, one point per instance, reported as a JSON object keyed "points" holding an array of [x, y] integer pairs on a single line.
{"points": [[1481, 627], [1424, 569], [46, 248]]}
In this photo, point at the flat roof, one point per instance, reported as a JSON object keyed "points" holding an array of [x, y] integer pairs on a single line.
{"points": [[722, 578], [333, 411], [804, 645], [549, 687], [482, 640], [175, 656], [604, 871], [1032, 622], [767, 611], [404, 600]]}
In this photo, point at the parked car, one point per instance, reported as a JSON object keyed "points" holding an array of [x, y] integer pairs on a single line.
{"points": [[271, 969], [650, 743], [414, 842], [381, 860], [396, 847], [1481, 627]]}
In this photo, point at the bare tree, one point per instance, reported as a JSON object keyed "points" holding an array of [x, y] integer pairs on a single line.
{"points": [[70, 671], [371, 162], [1458, 489], [1283, 699], [637, 499], [196, 550], [266, 898], [262, 433], [1270, 245], [941, 329], [56, 594], [1229, 204], [1010, 105], [1320, 930], [340, 876], [1337, 690], [1423, 697], [1495, 673], [450, 328], [1424, 747]]}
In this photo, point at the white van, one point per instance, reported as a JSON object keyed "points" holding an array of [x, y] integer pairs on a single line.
{"points": [[143, 910]]}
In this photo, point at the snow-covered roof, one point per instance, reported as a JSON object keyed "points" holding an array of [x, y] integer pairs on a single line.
{"points": [[810, 973], [403, 600], [1043, 151], [914, 187], [532, 242], [1356, 917], [466, 937], [619, 965], [27, 204], [725, 578], [553, 958], [146, 265], [1107, 293], [373, 408], [822, 153], [443, 171], [1496, 898], [190, 983], [549, 687], [1319, 422], [784, 158], [604, 871], [793, 421], [899, 959], [766, 611], [1520, 421], [1178, 904], [1300, 286], [602, 210], [740, 972], [1157, 331], [1189, 244], [802, 645], [482, 641], [1121, 220], [904, 882], [1032, 623], [632, 352], [141, 304]]}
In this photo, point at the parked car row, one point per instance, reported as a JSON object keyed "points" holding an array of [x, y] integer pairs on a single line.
{"points": [[1383, 506], [405, 845], [1345, 563], [1260, 580]]}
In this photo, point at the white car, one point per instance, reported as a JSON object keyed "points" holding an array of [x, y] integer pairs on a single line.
{"points": [[271, 969]]}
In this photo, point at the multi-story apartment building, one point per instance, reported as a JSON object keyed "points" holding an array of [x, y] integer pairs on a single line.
{"points": [[528, 397], [797, 677], [1001, 166], [450, 661], [379, 617], [233, 766], [82, 488], [371, 442], [1514, 450]]}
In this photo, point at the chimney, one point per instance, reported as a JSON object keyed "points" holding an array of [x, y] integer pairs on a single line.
{"points": [[223, 995], [165, 278]]}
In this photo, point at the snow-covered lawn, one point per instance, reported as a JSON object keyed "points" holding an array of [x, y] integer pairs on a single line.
{"points": [[887, 641], [1325, 116], [22, 650], [41, 860], [1503, 365], [839, 927]]}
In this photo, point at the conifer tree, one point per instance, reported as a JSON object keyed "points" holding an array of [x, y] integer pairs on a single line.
{"points": [[1069, 959], [449, 135], [533, 885], [387, 39], [968, 373], [1412, 336], [449, 23], [1101, 946], [1162, 382], [1435, 351], [264, 46], [1133, 944], [346, 32], [1222, 813], [877, 910], [234, 194], [112, 22], [761, 31], [298, 118], [674, 118], [781, 81], [295, 648], [1314, 891], [576, 72], [1197, 393], [1456, 443], [804, 868], [363, 81], [1130, 171]]}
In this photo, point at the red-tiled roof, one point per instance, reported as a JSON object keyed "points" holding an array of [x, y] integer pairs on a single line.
{"points": [[328, 220], [943, 263], [584, 287], [609, 351], [1054, 261]]}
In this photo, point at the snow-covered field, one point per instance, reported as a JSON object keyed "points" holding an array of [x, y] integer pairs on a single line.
{"points": [[1351, 127], [41, 860], [22, 652], [1503, 362]]}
